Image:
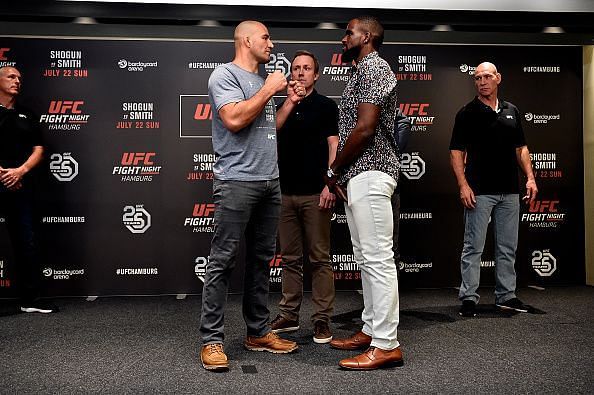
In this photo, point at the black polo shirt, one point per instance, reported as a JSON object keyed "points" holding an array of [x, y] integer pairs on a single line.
{"points": [[490, 140], [303, 145], [19, 133]]}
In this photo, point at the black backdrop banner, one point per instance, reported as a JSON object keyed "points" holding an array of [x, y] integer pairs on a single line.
{"points": [[125, 192]]}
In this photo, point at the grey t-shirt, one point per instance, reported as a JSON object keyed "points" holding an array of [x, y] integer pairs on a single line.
{"points": [[250, 154]]}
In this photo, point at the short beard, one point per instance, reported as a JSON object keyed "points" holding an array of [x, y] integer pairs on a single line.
{"points": [[351, 54]]}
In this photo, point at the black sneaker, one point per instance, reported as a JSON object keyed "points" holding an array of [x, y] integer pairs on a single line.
{"points": [[468, 308], [322, 333], [513, 304], [280, 324], [39, 307]]}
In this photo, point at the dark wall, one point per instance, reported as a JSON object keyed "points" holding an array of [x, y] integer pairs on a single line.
{"points": [[125, 196]]}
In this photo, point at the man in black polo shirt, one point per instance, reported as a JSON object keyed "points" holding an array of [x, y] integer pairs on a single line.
{"points": [[21, 150], [486, 149], [307, 142]]}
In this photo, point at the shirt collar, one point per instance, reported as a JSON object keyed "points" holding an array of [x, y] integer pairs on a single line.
{"points": [[367, 58]]}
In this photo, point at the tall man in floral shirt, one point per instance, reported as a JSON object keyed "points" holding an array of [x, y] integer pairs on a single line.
{"points": [[367, 165]]}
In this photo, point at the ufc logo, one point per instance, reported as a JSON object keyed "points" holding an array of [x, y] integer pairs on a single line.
{"points": [[63, 106], [276, 261], [203, 111], [2, 55], [337, 60], [541, 206], [409, 109], [203, 209], [135, 158]]}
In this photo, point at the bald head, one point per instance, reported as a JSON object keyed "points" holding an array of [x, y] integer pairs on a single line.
{"points": [[487, 80], [486, 66], [252, 44], [247, 29]]}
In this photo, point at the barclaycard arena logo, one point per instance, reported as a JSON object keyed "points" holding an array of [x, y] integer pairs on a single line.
{"points": [[278, 61], [541, 118], [138, 115], [202, 219], [202, 167], [339, 218], [136, 219], [200, 264], [545, 165], [65, 115], [137, 167], [136, 66], [464, 68], [62, 274], [337, 70], [63, 166], [65, 63], [411, 266], [4, 62], [418, 115], [412, 165], [544, 214], [543, 262]]}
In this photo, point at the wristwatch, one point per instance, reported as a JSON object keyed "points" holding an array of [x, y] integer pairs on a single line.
{"points": [[330, 173]]}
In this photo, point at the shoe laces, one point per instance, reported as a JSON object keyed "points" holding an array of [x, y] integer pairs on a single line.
{"points": [[215, 348], [278, 319]]}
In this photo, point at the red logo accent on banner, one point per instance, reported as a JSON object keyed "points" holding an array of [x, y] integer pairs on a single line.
{"points": [[203, 209], [410, 109], [276, 261], [2, 55], [203, 111], [135, 158], [64, 106], [337, 60], [542, 206]]}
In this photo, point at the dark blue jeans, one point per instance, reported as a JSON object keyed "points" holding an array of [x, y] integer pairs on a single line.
{"points": [[17, 207], [249, 208]]}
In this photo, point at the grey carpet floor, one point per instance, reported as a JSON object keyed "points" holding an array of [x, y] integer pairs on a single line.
{"points": [[151, 345]]}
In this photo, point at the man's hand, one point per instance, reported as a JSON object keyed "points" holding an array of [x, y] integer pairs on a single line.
{"points": [[467, 196], [327, 198], [295, 91], [276, 81], [531, 191], [11, 178], [333, 186]]}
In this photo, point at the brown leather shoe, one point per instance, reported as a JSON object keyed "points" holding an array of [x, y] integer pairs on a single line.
{"points": [[359, 341], [213, 357], [374, 358], [270, 342]]}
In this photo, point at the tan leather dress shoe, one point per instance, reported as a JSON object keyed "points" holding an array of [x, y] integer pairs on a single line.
{"points": [[213, 357], [270, 342], [374, 358], [359, 341]]}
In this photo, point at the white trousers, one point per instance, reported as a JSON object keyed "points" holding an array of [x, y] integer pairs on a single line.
{"points": [[369, 215]]}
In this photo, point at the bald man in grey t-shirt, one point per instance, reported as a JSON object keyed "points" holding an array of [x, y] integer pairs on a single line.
{"points": [[246, 193]]}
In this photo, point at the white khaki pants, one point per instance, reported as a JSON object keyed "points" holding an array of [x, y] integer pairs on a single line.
{"points": [[369, 215]]}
